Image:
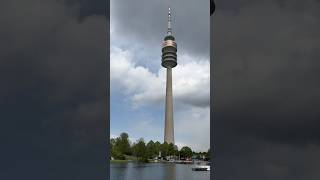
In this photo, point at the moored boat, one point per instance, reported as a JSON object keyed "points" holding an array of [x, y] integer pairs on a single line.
{"points": [[201, 166]]}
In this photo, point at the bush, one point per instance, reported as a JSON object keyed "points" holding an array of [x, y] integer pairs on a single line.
{"points": [[118, 156], [121, 157], [143, 159]]}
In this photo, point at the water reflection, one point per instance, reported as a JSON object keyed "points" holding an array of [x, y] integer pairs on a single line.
{"points": [[169, 172], [155, 171]]}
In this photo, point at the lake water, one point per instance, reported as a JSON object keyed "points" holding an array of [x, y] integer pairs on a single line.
{"points": [[155, 171]]}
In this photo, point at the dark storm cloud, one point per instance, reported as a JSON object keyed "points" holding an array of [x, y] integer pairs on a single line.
{"points": [[146, 21], [266, 89], [53, 71]]}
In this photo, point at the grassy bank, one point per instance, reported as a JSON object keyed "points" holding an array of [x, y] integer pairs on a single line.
{"points": [[120, 161], [128, 159], [132, 159]]}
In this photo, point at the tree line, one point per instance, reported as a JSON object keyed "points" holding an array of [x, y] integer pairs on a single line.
{"points": [[121, 148]]}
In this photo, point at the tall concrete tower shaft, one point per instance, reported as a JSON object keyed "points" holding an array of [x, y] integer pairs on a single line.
{"points": [[169, 61]]}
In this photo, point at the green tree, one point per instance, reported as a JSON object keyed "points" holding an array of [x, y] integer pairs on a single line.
{"points": [[112, 147], [114, 150], [122, 144], [208, 154], [176, 152], [157, 147], [196, 155], [164, 148], [171, 149], [186, 152], [140, 150], [151, 149], [112, 143], [134, 149]]}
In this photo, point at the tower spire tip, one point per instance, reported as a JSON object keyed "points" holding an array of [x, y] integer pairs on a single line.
{"points": [[169, 22]]}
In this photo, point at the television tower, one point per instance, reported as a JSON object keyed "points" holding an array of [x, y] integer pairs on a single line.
{"points": [[169, 61]]}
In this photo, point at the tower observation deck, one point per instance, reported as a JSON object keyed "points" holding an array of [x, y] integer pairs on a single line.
{"points": [[169, 47], [169, 61]]}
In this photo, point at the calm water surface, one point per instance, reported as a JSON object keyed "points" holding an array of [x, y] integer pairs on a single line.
{"points": [[155, 171]]}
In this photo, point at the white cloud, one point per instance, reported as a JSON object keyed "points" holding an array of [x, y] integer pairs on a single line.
{"points": [[180, 145], [191, 81], [192, 127], [112, 136]]}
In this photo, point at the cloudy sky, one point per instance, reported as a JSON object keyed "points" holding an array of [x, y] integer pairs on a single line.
{"points": [[266, 90], [138, 80]]}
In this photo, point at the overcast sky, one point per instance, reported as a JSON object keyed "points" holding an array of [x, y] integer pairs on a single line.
{"points": [[266, 92], [138, 79]]}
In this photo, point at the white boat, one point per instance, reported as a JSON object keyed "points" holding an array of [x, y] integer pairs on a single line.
{"points": [[200, 167]]}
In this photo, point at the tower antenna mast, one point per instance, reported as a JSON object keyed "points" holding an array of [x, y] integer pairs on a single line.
{"points": [[169, 22]]}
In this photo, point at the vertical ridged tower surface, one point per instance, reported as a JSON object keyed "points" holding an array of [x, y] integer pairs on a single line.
{"points": [[169, 61]]}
